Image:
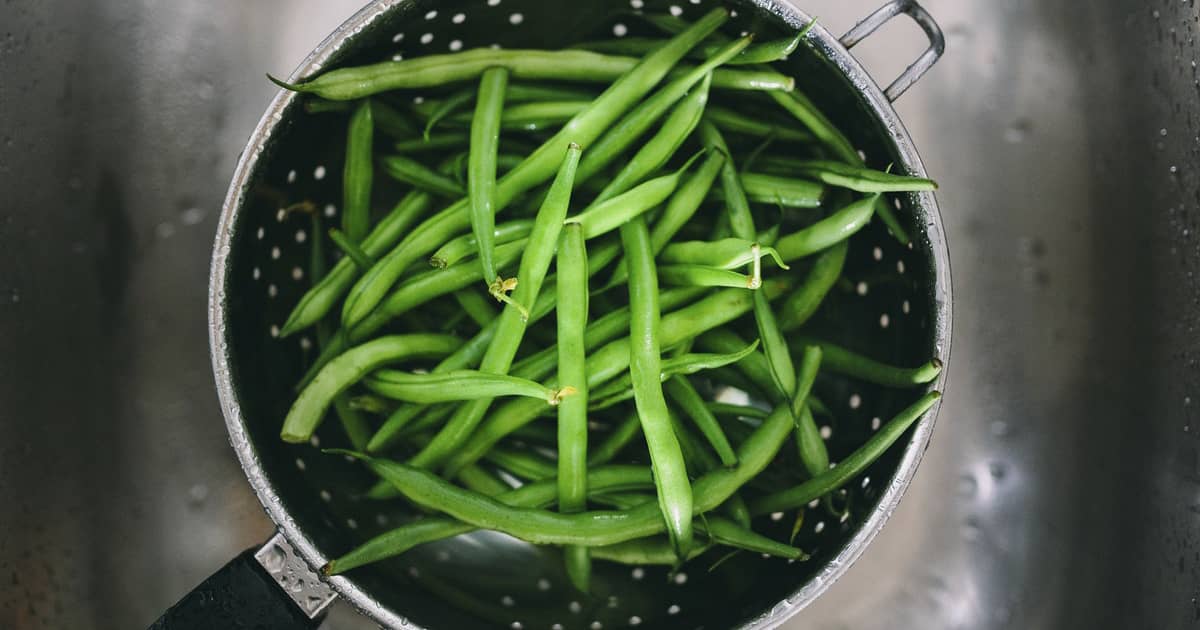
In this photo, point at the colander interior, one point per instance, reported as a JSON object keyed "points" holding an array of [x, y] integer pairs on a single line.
{"points": [[887, 309]]}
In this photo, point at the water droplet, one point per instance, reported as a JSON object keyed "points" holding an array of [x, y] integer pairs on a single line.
{"points": [[1162, 132]]}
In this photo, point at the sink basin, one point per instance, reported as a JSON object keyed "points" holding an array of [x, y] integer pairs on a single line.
{"points": [[1062, 486]]}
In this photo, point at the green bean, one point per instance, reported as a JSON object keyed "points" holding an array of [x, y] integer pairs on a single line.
{"points": [[458, 385], [396, 422], [701, 461], [754, 366], [670, 474], [789, 192], [583, 129], [685, 395], [645, 552], [797, 104], [540, 434], [809, 444], [857, 178], [519, 117], [593, 527], [484, 483], [682, 206], [425, 286], [775, 347], [848, 468], [718, 308], [701, 276], [309, 409], [662, 146], [448, 140], [765, 52], [350, 249], [391, 122], [526, 465], [450, 105], [606, 216], [827, 232], [481, 179], [475, 306], [320, 298], [803, 302], [731, 534], [736, 122], [572, 311], [539, 494], [842, 361], [357, 174], [371, 404], [736, 205], [463, 246], [728, 253], [541, 92], [739, 411], [534, 263], [566, 65], [413, 172], [637, 121], [318, 105], [612, 444]]}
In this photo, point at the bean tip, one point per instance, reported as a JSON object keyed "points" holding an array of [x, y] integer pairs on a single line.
{"points": [[327, 569], [936, 362], [437, 262], [291, 87]]}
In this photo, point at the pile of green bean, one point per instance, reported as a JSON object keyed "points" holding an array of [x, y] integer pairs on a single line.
{"points": [[658, 225]]}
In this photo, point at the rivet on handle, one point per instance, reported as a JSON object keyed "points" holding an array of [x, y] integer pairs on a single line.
{"points": [[915, 70]]}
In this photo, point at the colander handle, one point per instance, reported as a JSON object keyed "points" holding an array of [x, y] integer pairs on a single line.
{"points": [[268, 587], [915, 70]]}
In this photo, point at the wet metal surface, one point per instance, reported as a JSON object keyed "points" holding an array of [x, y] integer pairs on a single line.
{"points": [[1062, 488]]}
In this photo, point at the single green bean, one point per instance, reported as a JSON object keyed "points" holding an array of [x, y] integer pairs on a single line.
{"points": [[613, 443], [475, 306], [685, 395], [391, 122], [734, 121], [483, 482], [799, 105], [677, 126], [534, 264], [809, 444], [308, 410], [725, 532], [645, 552], [606, 216], [448, 140], [324, 293], [842, 361], [701, 276], [827, 232], [451, 104], [519, 92], [727, 253], [593, 527], [789, 192], [572, 321], [526, 465], [371, 404], [848, 468], [739, 411], [623, 94], [481, 179], [357, 174], [804, 301], [775, 347], [413, 172], [458, 385], [350, 249], [857, 178], [463, 246], [717, 309], [534, 495], [645, 365], [688, 363], [736, 205], [519, 117]]}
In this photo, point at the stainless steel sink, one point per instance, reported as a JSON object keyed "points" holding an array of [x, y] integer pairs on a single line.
{"points": [[1062, 489]]}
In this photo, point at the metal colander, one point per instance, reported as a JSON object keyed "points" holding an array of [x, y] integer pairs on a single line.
{"points": [[897, 304]]}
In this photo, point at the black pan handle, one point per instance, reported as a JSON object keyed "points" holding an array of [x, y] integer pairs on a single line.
{"points": [[252, 591]]}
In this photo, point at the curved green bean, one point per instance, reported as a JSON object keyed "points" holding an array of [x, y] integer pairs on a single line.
{"points": [[608, 215], [463, 246], [775, 347], [458, 385], [701, 276], [809, 444], [448, 106], [845, 470], [843, 361], [308, 410], [857, 178], [481, 178], [789, 192], [827, 232], [804, 301], [685, 395], [727, 253], [357, 174], [645, 365], [413, 172]]}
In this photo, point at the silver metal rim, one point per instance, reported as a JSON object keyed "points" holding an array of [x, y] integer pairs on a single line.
{"points": [[828, 46]]}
